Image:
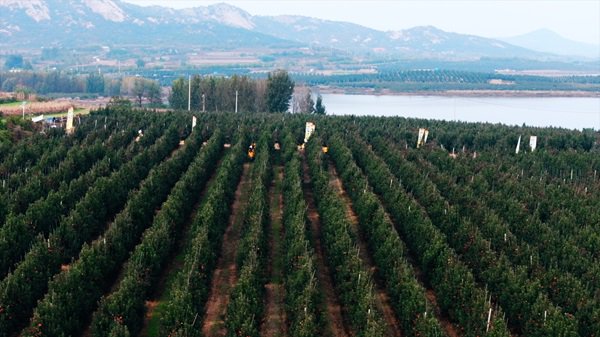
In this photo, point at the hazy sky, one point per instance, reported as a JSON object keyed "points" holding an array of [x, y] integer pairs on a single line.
{"points": [[577, 20]]}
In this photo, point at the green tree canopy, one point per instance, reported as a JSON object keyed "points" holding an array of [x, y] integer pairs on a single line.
{"points": [[319, 107], [95, 83], [279, 91], [178, 99], [153, 93], [14, 62]]}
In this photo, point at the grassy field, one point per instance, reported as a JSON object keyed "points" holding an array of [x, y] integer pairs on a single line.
{"points": [[10, 105], [37, 108]]}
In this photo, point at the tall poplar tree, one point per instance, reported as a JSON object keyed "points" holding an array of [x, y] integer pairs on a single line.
{"points": [[279, 91]]}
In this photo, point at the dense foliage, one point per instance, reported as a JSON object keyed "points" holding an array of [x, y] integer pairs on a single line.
{"points": [[303, 302], [158, 240], [387, 248], [50, 82], [189, 290], [214, 94], [29, 281], [353, 282], [245, 306], [475, 241], [279, 91]]}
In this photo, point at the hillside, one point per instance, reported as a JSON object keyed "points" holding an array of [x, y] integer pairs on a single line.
{"points": [[80, 23], [547, 41]]}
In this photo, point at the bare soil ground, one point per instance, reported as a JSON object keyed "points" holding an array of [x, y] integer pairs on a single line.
{"points": [[274, 321], [225, 275], [333, 309], [382, 298]]}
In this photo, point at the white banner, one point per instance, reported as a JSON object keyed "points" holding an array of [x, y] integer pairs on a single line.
{"points": [[193, 122], [37, 119], [533, 142], [518, 146], [310, 128], [70, 120], [420, 139]]}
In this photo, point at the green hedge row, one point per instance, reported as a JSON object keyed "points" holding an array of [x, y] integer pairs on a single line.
{"points": [[183, 312], [353, 282], [245, 308], [510, 287], [457, 292], [302, 295], [73, 294], [389, 252], [125, 306], [533, 261], [43, 215], [20, 290]]}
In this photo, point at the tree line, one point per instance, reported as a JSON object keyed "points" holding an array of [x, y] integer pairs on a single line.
{"points": [[242, 94], [441, 79], [92, 84]]}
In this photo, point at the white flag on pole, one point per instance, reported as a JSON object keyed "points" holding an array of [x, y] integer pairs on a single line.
{"points": [[533, 142], [70, 120], [310, 129], [421, 136]]}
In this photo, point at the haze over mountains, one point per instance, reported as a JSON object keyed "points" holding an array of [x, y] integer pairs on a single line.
{"points": [[545, 40], [80, 23]]}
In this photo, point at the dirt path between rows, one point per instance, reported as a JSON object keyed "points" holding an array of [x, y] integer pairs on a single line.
{"points": [[175, 263], [382, 300], [274, 321], [225, 275], [333, 309]]}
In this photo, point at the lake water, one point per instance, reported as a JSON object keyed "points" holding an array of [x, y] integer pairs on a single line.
{"points": [[566, 112]]}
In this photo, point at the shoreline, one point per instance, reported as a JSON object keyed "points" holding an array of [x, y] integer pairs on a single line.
{"points": [[464, 93]]}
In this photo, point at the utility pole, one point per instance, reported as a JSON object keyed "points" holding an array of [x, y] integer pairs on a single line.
{"points": [[236, 101], [293, 106], [190, 93]]}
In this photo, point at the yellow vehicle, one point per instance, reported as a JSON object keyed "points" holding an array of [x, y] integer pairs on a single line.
{"points": [[251, 151]]}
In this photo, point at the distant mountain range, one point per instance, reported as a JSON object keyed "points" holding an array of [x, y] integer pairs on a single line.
{"points": [[81, 23], [547, 41]]}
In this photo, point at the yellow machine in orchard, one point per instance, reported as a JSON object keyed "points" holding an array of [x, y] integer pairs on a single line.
{"points": [[252, 151]]}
